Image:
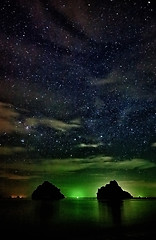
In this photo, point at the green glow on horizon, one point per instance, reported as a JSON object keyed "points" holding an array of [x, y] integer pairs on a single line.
{"points": [[76, 194]]}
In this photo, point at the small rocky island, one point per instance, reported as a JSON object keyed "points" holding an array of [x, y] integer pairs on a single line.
{"points": [[112, 191], [47, 191]]}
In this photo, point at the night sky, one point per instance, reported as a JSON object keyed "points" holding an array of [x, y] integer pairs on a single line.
{"points": [[77, 95]]}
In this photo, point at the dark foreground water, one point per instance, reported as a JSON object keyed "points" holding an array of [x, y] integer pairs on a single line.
{"points": [[78, 219]]}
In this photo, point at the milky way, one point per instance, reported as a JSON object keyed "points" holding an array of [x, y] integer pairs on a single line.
{"points": [[77, 95]]}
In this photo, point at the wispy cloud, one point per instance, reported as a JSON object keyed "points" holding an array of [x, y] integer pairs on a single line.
{"points": [[153, 144], [123, 165], [8, 116], [9, 121], [91, 145], [11, 150], [52, 123]]}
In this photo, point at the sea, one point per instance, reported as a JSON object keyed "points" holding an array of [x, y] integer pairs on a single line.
{"points": [[82, 218]]}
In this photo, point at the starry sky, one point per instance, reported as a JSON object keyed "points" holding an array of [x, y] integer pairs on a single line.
{"points": [[77, 95]]}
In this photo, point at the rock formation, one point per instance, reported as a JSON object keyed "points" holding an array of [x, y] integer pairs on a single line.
{"points": [[47, 191], [112, 191]]}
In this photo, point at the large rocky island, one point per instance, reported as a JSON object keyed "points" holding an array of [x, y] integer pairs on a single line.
{"points": [[112, 191], [47, 191]]}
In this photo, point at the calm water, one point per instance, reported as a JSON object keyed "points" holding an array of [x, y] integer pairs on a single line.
{"points": [[78, 219]]}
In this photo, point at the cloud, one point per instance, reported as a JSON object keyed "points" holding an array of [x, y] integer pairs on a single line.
{"points": [[52, 123], [10, 121], [8, 117], [103, 167], [16, 177], [91, 145], [133, 164], [124, 165], [96, 162], [108, 162], [153, 144], [112, 78], [11, 150]]}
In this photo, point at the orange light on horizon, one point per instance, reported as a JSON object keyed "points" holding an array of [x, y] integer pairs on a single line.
{"points": [[18, 196]]}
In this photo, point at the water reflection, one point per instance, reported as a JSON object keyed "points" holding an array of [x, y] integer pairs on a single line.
{"points": [[89, 216], [46, 212], [110, 212], [115, 210]]}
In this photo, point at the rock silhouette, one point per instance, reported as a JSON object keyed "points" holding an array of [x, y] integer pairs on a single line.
{"points": [[47, 191], [112, 191]]}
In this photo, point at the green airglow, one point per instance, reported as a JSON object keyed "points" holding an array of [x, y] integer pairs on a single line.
{"points": [[76, 193]]}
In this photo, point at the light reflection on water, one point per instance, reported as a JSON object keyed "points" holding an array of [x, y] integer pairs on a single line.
{"points": [[127, 212], [79, 215]]}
